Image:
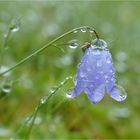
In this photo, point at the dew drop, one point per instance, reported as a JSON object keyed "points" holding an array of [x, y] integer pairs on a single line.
{"points": [[121, 92], [106, 76], [43, 100], [91, 31], [106, 81], [38, 120], [69, 93], [118, 93], [69, 77], [108, 61], [82, 74], [6, 88], [88, 69], [15, 25], [99, 63], [15, 29], [83, 29], [53, 89], [112, 79], [96, 52], [73, 44], [62, 83], [101, 72], [75, 31]]}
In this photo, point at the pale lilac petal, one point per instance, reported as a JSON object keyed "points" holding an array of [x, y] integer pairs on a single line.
{"points": [[95, 95], [78, 89]]}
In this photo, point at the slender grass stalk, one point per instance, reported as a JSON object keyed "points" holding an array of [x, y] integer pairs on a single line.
{"points": [[48, 45], [25, 130], [4, 46]]}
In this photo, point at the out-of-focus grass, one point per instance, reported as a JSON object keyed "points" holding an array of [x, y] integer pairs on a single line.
{"points": [[117, 23]]}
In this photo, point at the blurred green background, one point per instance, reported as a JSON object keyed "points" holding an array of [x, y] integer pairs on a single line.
{"points": [[41, 21]]}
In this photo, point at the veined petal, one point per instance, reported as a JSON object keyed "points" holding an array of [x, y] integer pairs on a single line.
{"points": [[95, 95]]}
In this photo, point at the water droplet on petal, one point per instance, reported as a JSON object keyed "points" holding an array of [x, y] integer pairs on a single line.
{"points": [[99, 63], [82, 74], [83, 29], [112, 79], [6, 88], [101, 72], [88, 69], [73, 44], [108, 61], [121, 92], [96, 52], [106, 76], [106, 81], [118, 93]]}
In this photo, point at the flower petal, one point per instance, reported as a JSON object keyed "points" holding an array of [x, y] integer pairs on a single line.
{"points": [[78, 89], [95, 95]]}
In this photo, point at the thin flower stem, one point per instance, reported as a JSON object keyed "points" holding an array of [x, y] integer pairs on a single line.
{"points": [[48, 45]]}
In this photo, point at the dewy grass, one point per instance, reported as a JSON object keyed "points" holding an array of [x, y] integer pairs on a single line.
{"points": [[48, 45], [26, 128]]}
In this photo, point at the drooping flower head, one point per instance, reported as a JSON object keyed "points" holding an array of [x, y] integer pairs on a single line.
{"points": [[96, 74]]}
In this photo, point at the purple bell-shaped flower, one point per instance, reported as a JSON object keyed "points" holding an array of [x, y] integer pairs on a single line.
{"points": [[96, 74]]}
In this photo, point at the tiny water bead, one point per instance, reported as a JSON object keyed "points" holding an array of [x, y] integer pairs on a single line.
{"points": [[97, 52], [73, 44], [15, 25], [83, 29], [108, 61], [75, 31], [3, 69], [99, 63], [91, 31], [6, 88], [98, 43], [43, 100], [15, 29], [69, 93], [122, 94], [53, 89], [69, 77]]}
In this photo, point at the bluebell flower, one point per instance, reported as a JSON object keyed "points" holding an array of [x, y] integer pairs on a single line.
{"points": [[96, 74]]}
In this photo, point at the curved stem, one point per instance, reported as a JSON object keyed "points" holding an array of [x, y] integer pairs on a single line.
{"points": [[48, 45]]}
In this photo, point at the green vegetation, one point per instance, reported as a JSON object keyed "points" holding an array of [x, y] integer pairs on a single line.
{"points": [[28, 107]]}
